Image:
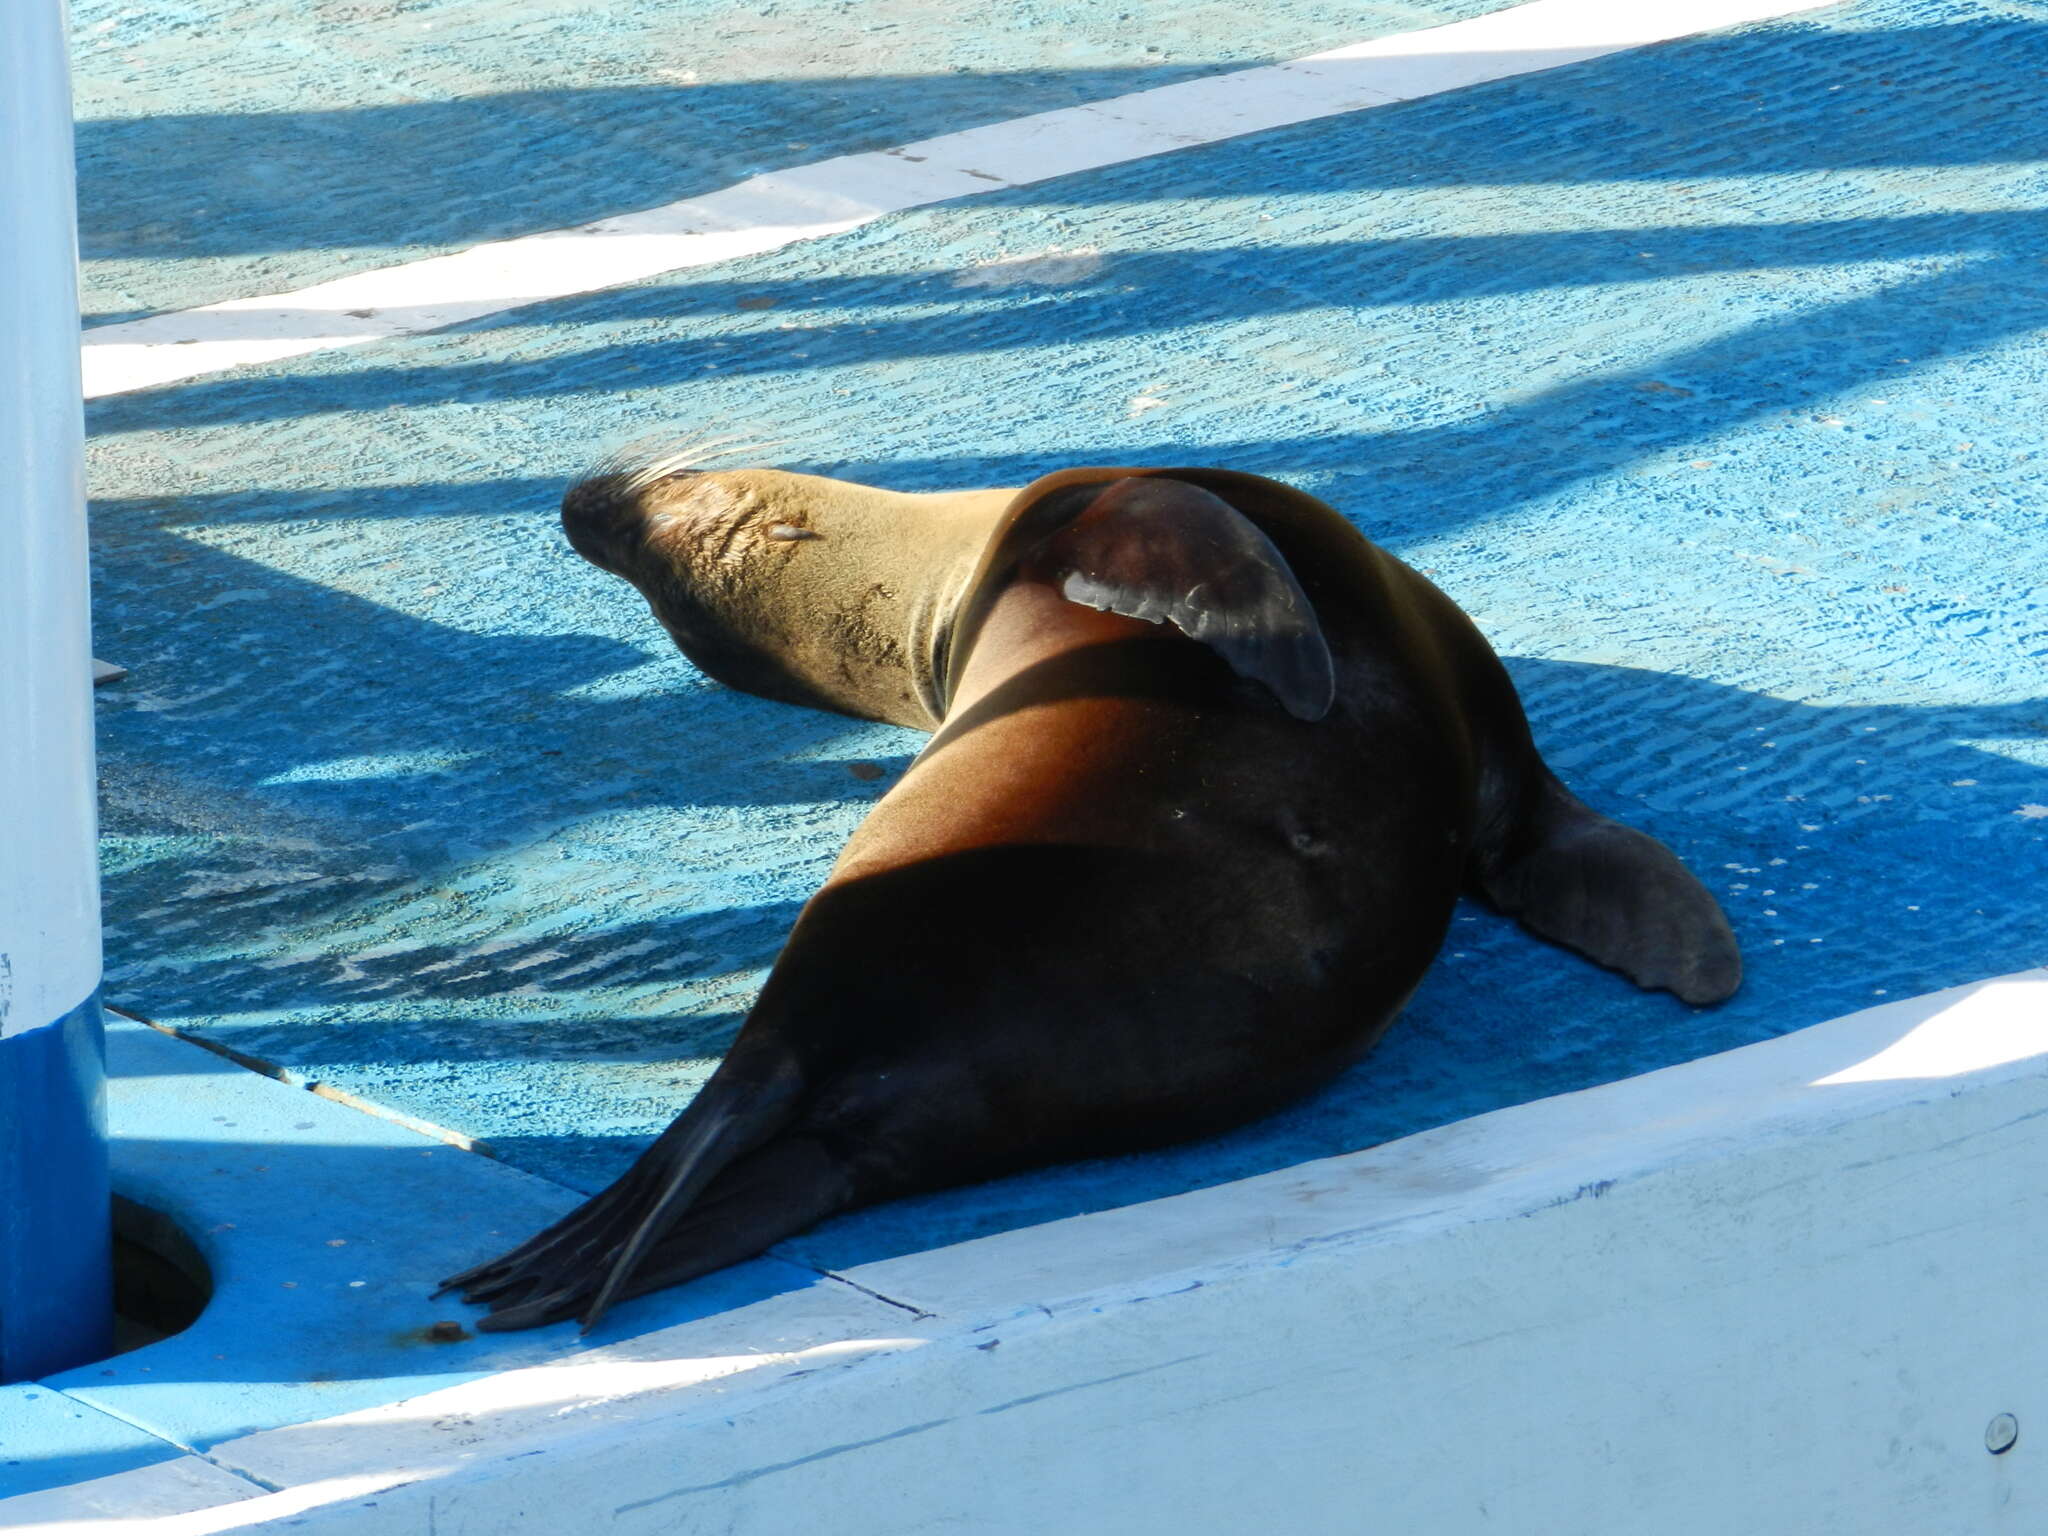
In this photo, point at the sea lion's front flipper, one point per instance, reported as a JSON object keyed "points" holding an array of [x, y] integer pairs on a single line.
{"points": [[1615, 895], [1166, 551]]}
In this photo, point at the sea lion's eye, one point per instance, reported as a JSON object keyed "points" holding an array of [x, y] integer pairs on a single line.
{"points": [[789, 532]]}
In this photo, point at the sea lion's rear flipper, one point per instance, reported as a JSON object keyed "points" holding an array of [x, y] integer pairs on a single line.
{"points": [[791, 1183], [1169, 552], [1613, 894], [586, 1261]]}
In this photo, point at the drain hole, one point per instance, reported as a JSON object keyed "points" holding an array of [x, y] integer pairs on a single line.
{"points": [[161, 1280]]}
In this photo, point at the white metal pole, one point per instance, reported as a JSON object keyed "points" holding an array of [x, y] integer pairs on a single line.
{"points": [[55, 1307]]}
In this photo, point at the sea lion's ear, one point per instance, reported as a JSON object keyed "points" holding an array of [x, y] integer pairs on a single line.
{"points": [[1166, 551]]}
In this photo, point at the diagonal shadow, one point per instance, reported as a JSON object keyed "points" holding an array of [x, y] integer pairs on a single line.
{"points": [[237, 181], [1790, 359], [1365, 274], [241, 179]]}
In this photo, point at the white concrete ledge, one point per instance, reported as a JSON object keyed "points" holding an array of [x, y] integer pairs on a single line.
{"points": [[1780, 1290]]}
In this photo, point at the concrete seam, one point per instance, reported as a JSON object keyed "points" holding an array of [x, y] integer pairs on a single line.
{"points": [[912, 1308], [94, 1405], [280, 1074]]}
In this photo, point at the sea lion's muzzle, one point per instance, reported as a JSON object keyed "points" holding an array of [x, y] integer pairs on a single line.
{"points": [[599, 515]]}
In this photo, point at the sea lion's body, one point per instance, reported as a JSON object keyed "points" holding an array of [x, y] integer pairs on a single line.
{"points": [[1139, 886]]}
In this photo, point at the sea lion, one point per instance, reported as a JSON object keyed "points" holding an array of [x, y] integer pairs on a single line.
{"points": [[1210, 770]]}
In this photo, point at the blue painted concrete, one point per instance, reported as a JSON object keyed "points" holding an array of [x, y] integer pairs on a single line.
{"points": [[326, 1230], [56, 1275], [1710, 389], [49, 1440]]}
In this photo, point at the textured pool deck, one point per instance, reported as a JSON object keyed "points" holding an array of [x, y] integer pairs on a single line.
{"points": [[1707, 377]]}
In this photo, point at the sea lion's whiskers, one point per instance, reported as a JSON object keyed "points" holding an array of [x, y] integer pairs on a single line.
{"points": [[641, 465], [636, 453], [651, 463], [756, 446]]}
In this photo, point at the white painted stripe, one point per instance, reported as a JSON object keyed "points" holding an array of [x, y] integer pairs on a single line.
{"points": [[768, 212]]}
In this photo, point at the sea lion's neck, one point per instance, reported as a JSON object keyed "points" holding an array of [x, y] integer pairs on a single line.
{"points": [[816, 591], [911, 573]]}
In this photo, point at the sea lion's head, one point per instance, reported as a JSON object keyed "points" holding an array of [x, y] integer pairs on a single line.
{"points": [[796, 587]]}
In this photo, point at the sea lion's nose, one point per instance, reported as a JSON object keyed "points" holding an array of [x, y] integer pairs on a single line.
{"points": [[597, 514]]}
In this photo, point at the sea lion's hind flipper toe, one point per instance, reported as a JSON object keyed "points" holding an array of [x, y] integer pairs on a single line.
{"points": [[543, 1279], [1166, 551], [704, 1143], [1617, 896], [580, 1265], [532, 1311], [789, 1185], [598, 1223]]}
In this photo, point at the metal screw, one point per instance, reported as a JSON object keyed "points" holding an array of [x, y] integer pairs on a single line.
{"points": [[2001, 1434]]}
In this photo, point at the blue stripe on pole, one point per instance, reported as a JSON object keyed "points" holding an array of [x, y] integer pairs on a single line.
{"points": [[56, 1261]]}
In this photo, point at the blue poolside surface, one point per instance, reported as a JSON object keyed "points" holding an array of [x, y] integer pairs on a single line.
{"points": [[1709, 378]]}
